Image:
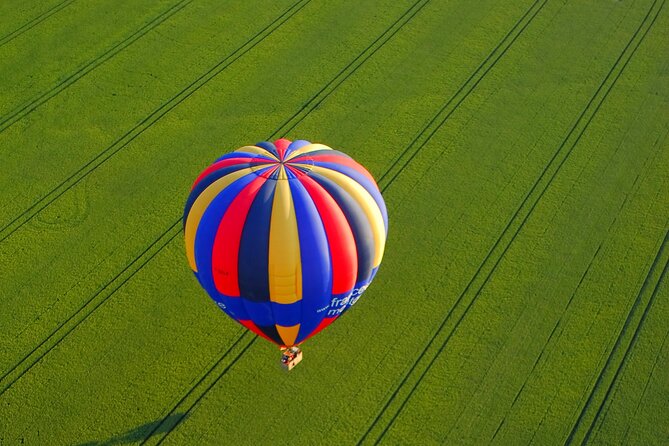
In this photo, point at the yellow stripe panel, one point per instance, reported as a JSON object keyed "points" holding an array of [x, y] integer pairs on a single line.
{"points": [[200, 205], [285, 269], [258, 150], [288, 334], [366, 202], [306, 149]]}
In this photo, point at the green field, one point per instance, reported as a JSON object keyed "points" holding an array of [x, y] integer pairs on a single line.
{"points": [[522, 151]]}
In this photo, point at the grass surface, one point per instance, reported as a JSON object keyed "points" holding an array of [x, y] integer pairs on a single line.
{"points": [[522, 151]]}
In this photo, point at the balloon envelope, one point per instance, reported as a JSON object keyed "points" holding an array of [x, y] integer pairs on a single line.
{"points": [[285, 237]]}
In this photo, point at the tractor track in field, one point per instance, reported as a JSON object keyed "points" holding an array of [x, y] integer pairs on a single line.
{"points": [[454, 102], [627, 325], [171, 233], [132, 268], [636, 184], [645, 389], [66, 327], [34, 22], [591, 108], [349, 69], [147, 122], [610, 390], [172, 419], [27, 108], [634, 188], [286, 126]]}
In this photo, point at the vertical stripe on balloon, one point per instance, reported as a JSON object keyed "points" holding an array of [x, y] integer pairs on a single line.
{"points": [[281, 147], [226, 244], [297, 144], [207, 181], [357, 220], [206, 234], [245, 160], [254, 246], [288, 334], [315, 256], [340, 239], [285, 271], [200, 205]]}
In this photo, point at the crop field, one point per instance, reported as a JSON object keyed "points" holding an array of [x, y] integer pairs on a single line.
{"points": [[522, 150]]}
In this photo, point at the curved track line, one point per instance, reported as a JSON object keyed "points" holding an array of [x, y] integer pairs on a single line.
{"points": [[34, 22], [295, 119], [573, 129], [25, 109], [147, 122], [287, 125]]}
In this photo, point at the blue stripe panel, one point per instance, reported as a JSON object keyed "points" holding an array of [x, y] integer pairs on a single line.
{"points": [[315, 258], [295, 145], [206, 182], [357, 220], [287, 314], [269, 147], [259, 312], [205, 235], [253, 270], [364, 182]]}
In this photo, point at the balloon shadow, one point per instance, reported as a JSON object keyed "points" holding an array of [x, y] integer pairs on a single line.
{"points": [[141, 433]]}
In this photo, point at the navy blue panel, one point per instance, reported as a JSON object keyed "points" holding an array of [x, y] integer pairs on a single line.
{"points": [[287, 314], [253, 273], [259, 312], [270, 332], [269, 147], [360, 225]]}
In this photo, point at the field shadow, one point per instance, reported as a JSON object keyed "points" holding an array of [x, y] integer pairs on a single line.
{"points": [[140, 433]]}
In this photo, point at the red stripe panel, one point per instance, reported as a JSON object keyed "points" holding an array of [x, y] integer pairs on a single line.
{"points": [[254, 328], [281, 146], [226, 163], [324, 323], [335, 159], [226, 244], [340, 238]]}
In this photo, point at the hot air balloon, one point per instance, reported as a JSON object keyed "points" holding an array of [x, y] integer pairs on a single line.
{"points": [[285, 236]]}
